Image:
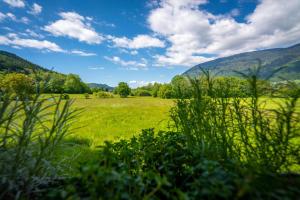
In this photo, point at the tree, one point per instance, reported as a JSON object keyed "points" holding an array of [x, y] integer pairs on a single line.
{"points": [[20, 85], [123, 89], [181, 87], [155, 89], [56, 83], [73, 84], [165, 91]]}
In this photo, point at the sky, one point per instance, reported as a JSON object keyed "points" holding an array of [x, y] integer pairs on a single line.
{"points": [[142, 41]]}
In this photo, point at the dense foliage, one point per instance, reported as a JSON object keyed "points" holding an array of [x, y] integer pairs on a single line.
{"points": [[164, 166], [51, 83], [123, 89], [181, 87], [18, 85], [220, 145], [30, 133]]}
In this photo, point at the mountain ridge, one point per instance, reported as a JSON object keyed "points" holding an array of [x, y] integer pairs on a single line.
{"points": [[272, 60], [10, 62]]}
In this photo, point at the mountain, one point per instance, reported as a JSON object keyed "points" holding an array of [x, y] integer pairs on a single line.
{"points": [[12, 63], [102, 86], [272, 59]]}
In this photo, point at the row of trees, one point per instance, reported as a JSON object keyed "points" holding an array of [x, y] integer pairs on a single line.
{"points": [[50, 82], [179, 87]]}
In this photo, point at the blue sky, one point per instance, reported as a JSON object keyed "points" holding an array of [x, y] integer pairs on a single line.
{"points": [[108, 41]]}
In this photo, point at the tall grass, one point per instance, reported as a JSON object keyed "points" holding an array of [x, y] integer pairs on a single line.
{"points": [[240, 129], [31, 128]]}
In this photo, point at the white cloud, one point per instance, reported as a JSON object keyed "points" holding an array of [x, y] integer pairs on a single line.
{"points": [[12, 17], [35, 9], [15, 3], [140, 41], [235, 12], [82, 53], [75, 26], [193, 32], [2, 16], [129, 65], [96, 68], [31, 33], [24, 20], [134, 52], [15, 41]]}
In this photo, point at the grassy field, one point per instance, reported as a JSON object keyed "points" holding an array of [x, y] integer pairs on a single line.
{"points": [[110, 119], [118, 118]]}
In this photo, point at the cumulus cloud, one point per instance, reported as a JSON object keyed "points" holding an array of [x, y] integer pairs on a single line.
{"points": [[75, 26], [194, 32], [129, 65], [15, 41], [35, 9], [15, 3], [138, 42]]}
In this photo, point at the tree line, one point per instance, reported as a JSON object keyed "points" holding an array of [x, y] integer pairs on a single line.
{"points": [[179, 87]]}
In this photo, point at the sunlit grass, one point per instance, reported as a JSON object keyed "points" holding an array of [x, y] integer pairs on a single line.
{"points": [[119, 118]]}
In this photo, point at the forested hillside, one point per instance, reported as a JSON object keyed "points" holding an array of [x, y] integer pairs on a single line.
{"points": [[272, 60]]}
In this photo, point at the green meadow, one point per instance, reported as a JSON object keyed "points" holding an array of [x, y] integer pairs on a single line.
{"points": [[112, 119], [118, 118]]}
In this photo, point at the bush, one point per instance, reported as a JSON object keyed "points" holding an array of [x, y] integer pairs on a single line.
{"points": [[162, 166], [240, 129], [86, 95], [30, 132], [103, 95], [65, 96], [143, 93]]}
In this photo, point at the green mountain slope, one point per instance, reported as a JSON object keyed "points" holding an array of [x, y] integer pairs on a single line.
{"points": [[272, 60], [12, 63]]}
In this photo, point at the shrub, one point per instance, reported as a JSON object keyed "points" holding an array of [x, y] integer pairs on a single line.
{"points": [[103, 95], [162, 166], [65, 96], [86, 95], [30, 132], [240, 129], [143, 93]]}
